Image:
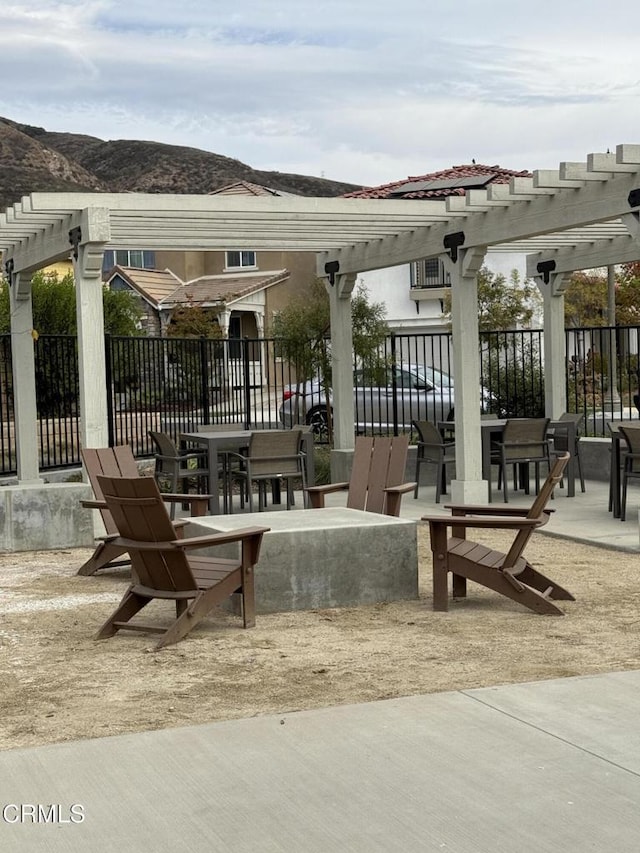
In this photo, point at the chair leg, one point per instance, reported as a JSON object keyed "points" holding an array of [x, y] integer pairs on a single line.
{"points": [[130, 604], [623, 501], [580, 473], [439, 475]]}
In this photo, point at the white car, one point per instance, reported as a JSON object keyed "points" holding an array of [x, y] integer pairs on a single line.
{"points": [[395, 398]]}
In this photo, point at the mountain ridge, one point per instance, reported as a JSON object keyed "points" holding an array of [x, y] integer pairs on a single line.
{"points": [[33, 159]]}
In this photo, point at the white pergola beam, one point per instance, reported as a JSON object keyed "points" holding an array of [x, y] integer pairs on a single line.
{"points": [[601, 253]]}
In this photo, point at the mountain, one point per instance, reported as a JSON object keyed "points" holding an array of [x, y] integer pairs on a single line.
{"points": [[33, 159]]}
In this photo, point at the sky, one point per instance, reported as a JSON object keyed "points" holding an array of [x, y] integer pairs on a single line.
{"points": [[362, 91]]}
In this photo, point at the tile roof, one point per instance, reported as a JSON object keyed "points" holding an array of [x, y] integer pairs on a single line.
{"points": [[464, 174], [216, 289], [247, 188], [154, 285]]}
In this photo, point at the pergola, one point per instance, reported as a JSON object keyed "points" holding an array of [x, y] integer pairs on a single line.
{"points": [[581, 216]]}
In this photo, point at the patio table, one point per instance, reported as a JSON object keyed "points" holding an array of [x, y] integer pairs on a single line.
{"points": [[219, 441], [492, 430]]}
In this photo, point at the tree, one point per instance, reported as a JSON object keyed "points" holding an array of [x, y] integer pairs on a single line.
{"points": [[502, 304], [585, 299], [193, 321], [54, 307], [628, 295], [302, 328]]}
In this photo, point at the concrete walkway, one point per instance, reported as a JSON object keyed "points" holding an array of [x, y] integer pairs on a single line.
{"points": [[547, 766], [529, 768], [583, 518]]}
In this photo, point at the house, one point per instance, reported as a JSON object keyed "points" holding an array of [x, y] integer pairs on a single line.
{"points": [[414, 293], [245, 288], [240, 302]]}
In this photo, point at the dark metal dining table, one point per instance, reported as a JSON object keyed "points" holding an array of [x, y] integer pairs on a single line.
{"points": [[218, 442], [492, 430]]}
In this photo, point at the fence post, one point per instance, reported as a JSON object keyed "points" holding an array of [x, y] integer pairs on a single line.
{"points": [[246, 381], [108, 364], [204, 381], [394, 385]]}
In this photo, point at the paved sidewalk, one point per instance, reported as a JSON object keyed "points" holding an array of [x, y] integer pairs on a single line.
{"points": [[530, 768], [583, 518]]}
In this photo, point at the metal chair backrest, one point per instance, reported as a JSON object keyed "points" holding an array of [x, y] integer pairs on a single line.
{"points": [[275, 452], [164, 444], [428, 433], [561, 434], [525, 438], [631, 435]]}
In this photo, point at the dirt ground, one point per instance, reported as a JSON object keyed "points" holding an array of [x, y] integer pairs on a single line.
{"points": [[59, 684]]}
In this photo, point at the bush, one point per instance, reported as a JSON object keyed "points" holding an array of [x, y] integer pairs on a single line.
{"points": [[514, 379]]}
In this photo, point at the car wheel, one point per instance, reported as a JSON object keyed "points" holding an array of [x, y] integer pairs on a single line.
{"points": [[317, 420]]}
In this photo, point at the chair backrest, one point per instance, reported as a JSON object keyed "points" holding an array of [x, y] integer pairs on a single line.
{"points": [[631, 435], [538, 507], [525, 437], [140, 515], [561, 433], [576, 418], [428, 433], [164, 444], [116, 461], [377, 464], [275, 451]]}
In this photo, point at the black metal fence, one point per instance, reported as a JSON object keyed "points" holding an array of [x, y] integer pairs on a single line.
{"points": [[174, 385]]}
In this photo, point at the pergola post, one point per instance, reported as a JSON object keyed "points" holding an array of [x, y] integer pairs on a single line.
{"points": [[340, 288], [555, 388], [468, 486], [24, 378], [87, 271]]}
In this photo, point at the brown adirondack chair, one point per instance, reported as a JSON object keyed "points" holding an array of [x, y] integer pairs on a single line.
{"points": [[118, 461], [377, 475], [162, 569], [509, 574]]}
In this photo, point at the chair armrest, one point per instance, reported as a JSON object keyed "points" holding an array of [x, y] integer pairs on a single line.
{"points": [[192, 541], [401, 489], [494, 523], [393, 495], [460, 510], [222, 538], [185, 498], [327, 488], [483, 509], [316, 493]]}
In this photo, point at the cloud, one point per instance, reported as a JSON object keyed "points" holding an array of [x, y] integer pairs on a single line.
{"points": [[364, 91]]}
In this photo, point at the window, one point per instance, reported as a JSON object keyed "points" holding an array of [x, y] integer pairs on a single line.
{"points": [[240, 260], [138, 258], [429, 273]]}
